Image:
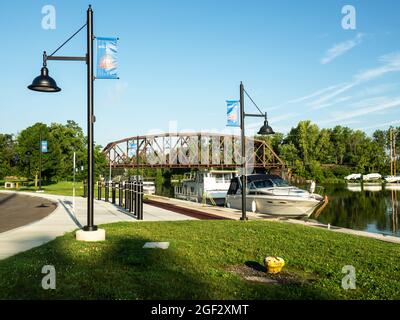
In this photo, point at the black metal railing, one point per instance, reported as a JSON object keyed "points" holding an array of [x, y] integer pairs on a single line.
{"points": [[130, 194]]}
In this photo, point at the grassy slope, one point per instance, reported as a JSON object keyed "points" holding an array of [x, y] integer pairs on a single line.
{"points": [[194, 265], [60, 188]]}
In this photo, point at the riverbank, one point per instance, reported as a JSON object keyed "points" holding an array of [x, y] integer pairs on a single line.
{"points": [[205, 260]]}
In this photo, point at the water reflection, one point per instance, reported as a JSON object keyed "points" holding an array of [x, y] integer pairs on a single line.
{"points": [[369, 207]]}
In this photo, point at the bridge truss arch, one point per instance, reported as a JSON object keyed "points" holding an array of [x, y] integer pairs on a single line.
{"points": [[190, 150]]}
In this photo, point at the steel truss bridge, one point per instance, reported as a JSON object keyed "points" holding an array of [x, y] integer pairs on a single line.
{"points": [[190, 150]]}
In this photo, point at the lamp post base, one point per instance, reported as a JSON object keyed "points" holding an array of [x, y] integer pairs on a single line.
{"points": [[91, 236], [89, 228]]}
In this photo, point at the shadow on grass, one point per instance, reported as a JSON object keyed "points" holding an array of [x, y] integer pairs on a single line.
{"points": [[117, 269], [121, 269], [256, 266]]}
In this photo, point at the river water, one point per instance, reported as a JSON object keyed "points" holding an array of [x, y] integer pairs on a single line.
{"points": [[371, 208]]}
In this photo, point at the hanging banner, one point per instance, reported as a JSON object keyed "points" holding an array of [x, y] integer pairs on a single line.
{"points": [[132, 149], [107, 62], [43, 146], [232, 113]]}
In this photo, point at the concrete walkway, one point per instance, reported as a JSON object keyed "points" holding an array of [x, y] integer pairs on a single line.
{"points": [[64, 219]]}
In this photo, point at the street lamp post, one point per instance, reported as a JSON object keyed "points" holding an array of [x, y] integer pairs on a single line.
{"points": [[264, 130], [44, 83], [40, 162]]}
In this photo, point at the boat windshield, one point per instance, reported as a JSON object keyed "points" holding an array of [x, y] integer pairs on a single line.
{"points": [[268, 183], [280, 183]]}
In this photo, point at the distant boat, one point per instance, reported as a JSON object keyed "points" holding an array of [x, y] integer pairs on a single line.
{"points": [[392, 179], [353, 176], [371, 177]]}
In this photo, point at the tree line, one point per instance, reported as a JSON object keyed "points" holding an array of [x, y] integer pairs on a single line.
{"points": [[20, 154], [324, 155], [329, 154]]}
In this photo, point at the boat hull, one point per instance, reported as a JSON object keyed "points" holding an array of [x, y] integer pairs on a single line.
{"points": [[277, 206]]}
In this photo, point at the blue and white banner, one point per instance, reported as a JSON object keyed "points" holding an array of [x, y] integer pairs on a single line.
{"points": [[232, 113], [43, 146], [107, 62], [132, 149]]}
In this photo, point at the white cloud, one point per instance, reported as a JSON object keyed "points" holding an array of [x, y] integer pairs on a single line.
{"points": [[392, 103], [391, 63], [341, 48], [380, 125]]}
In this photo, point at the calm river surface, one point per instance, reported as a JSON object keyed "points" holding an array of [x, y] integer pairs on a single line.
{"points": [[368, 207]]}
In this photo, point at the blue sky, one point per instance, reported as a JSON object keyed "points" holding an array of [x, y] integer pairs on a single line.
{"points": [[180, 60]]}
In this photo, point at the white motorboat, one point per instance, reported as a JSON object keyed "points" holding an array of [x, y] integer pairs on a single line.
{"points": [[205, 185], [353, 176], [270, 194], [371, 177], [392, 179]]}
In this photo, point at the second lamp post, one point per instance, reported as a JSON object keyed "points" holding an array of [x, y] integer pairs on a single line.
{"points": [[264, 130]]}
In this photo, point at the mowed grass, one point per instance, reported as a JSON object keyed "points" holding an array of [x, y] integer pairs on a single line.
{"points": [[195, 265], [64, 188]]}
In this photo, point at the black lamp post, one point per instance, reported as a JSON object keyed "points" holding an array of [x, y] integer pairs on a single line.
{"points": [[44, 83], [264, 130]]}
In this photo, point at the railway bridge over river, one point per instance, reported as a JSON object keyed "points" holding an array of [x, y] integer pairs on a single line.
{"points": [[190, 150]]}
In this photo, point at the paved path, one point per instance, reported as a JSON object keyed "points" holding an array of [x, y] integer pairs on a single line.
{"points": [[17, 210], [63, 219]]}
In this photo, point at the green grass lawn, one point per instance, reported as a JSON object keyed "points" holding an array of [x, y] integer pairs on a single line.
{"points": [[196, 264], [63, 188]]}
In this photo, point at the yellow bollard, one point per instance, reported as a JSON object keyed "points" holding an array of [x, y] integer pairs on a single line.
{"points": [[274, 264]]}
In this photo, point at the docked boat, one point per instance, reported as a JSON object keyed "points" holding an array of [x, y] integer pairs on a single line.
{"points": [[149, 187], [392, 179], [353, 177], [205, 186], [372, 177], [270, 194]]}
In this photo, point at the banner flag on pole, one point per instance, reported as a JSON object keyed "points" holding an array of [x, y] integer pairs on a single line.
{"points": [[232, 113], [107, 62], [43, 146], [132, 149]]}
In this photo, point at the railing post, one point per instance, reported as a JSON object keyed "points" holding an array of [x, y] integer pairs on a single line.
{"points": [[113, 192], [131, 194], [106, 191], [126, 193], [135, 189], [140, 206], [120, 193], [99, 190]]}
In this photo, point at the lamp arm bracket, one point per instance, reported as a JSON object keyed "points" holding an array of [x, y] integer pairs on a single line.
{"points": [[64, 58], [254, 115]]}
